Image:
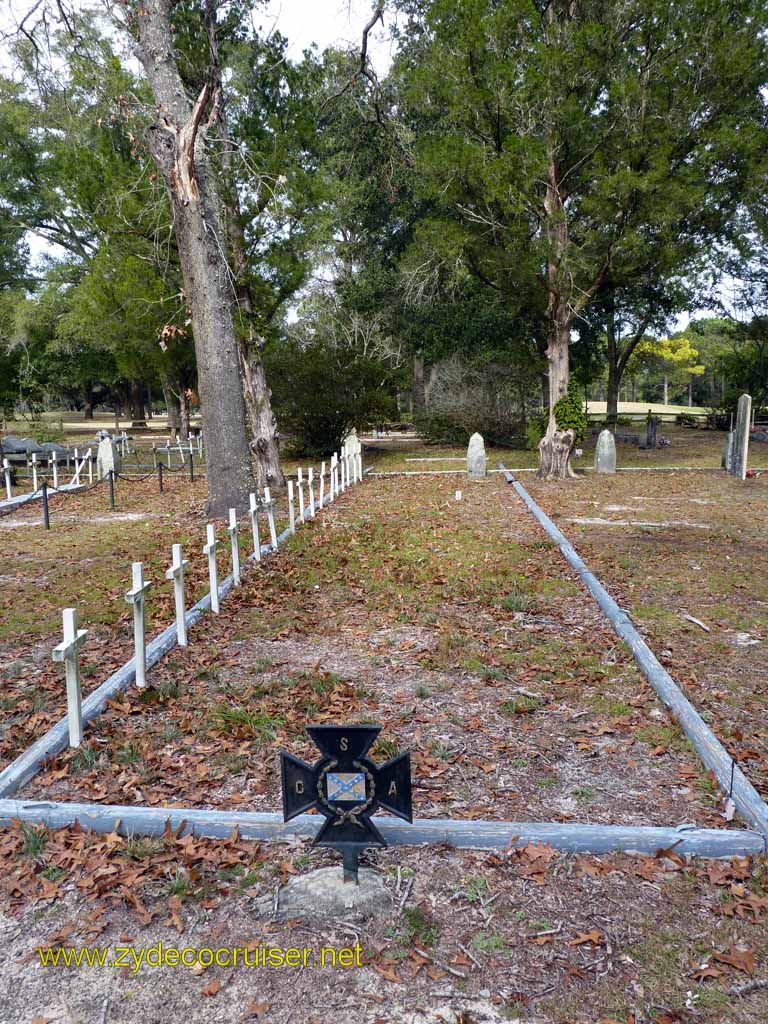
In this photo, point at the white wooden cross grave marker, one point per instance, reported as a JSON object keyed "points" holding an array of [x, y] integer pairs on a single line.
{"points": [[213, 575], [34, 471], [253, 512], [300, 482], [270, 505], [235, 544], [53, 463], [7, 475], [137, 596], [334, 477], [311, 487], [67, 651], [291, 509], [176, 573], [89, 456], [322, 484]]}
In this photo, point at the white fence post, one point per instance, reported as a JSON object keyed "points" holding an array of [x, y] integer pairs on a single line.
{"points": [[291, 509], [300, 484], [311, 487], [176, 573], [136, 596], [253, 512], [34, 472], [54, 463], [67, 651], [271, 518], [89, 456], [322, 484], [7, 475], [209, 549], [232, 530]]}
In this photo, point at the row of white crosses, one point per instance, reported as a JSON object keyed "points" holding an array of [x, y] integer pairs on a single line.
{"points": [[68, 650], [344, 471]]}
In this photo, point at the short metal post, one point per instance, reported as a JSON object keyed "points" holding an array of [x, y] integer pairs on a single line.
{"points": [[46, 516], [160, 475], [351, 864], [111, 475], [191, 464]]}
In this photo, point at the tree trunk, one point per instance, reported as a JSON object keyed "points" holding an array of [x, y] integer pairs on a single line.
{"points": [[556, 446], [666, 390], [614, 371], [177, 145], [690, 394], [87, 402], [184, 415], [269, 472], [256, 392], [138, 411], [419, 390], [172, 406]]}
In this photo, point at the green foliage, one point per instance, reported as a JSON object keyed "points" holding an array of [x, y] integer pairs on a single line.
{"points": [[335, 371], [569, 411], [536, 429]]}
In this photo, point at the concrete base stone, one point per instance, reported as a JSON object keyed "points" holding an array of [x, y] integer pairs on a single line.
{"points": [[325, 894]]}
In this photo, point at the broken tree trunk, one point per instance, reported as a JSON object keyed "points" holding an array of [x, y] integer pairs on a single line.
{"points": [[177, 144]]}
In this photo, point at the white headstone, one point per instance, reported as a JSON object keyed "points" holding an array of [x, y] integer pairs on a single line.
{"points": [[351, 444], [476, 465], [107, 456], [741, 437], [605, 453]]}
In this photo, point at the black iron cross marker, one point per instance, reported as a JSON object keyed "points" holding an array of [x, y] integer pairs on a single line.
{"points": [[347, 788]]}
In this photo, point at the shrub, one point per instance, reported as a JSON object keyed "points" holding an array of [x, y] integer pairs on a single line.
{"points": [[322, 390], [569, 411], [684, 419]]}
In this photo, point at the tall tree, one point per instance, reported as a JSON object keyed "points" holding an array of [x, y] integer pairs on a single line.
{"points": [[572, 132], [177, 144]]}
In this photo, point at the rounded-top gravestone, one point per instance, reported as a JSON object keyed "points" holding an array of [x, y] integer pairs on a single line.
{"points": [[107, 456], [476, 465], [605, 453]]}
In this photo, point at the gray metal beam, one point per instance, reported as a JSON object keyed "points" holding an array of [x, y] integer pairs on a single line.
{"points": [[748, 801], [474, 835]]}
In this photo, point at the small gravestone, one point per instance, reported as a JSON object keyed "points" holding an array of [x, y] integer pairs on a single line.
{"points": [[605, 453], [346, 787], [476, 465], [741, 438], [107, 456], [727, 458], [351, 444]]}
